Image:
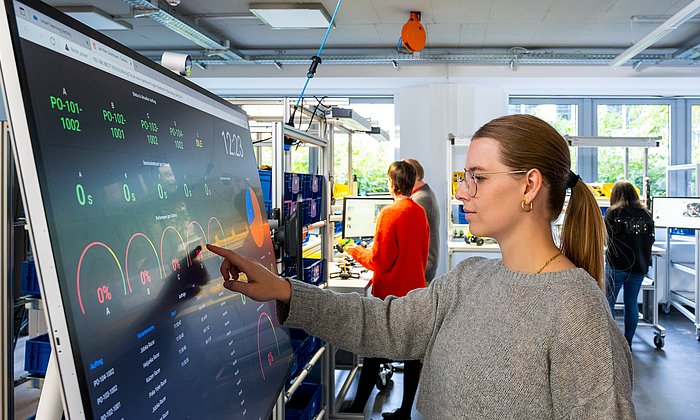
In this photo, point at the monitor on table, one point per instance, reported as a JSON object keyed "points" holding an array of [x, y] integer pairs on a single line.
{"points": [[360, 215]]}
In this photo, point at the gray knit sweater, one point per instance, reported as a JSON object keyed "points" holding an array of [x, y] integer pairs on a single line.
{"points": [[495, 343]]}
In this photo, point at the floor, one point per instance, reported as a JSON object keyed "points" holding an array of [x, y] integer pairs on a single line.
{"points": [[666, 383]]}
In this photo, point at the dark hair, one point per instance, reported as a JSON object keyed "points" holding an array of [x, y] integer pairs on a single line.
{"points": [[420, 174], [624, 195], [527, 142], [403, 176]]}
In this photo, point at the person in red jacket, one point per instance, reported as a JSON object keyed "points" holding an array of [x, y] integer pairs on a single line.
{"points": [[398, 258]]}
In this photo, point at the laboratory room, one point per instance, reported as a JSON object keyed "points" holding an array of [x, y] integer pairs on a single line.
{"points": [[328, 209]]}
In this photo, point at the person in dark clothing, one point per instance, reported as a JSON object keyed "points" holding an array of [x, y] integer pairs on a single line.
{"points": [[628, 257], [425, 197]]}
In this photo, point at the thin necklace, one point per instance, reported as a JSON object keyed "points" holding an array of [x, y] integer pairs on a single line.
{"points": [[552, 258]]}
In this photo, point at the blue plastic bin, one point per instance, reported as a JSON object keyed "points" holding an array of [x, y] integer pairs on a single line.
{"points": [[36, 355], [266, 183], [682, 232], [313, 210], [462, 216], [297, 334], [313, 186], [292, 186], [290, 207], [305, 403], [30, 280], [313, 271]]}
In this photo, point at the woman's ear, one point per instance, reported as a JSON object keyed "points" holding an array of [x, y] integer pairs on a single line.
{"points": [[533, 184]]}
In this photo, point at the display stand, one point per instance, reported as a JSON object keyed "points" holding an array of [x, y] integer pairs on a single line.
{"points": [[50, 405]]}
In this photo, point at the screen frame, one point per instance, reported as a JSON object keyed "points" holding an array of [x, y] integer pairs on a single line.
{"points": [[654, 213], [388, 198], [24, 128], [16, 104]]}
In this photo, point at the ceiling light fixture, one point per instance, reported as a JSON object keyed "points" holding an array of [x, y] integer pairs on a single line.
{"points": [[292, 15], [95, 18], [349, 119], [378, 133], [601, 141], [664, 29]]}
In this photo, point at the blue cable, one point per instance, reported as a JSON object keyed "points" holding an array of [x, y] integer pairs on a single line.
{"points": [[315, 63], [328, 31]]}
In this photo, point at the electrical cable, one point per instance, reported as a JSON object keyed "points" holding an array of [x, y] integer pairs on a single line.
{"points": [[301, 114], [315, 61], [320, 101]]}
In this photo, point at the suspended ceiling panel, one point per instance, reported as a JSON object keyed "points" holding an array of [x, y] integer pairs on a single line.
{"points": [[450, 24]]}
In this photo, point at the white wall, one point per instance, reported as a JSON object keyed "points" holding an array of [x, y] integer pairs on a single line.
{"points": [[426, 116]]}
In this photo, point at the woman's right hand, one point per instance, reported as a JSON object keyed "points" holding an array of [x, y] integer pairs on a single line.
{"points": [[262, 285]]}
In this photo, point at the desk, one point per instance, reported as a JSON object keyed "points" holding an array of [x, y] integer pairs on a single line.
{"points": [[339, 285]]}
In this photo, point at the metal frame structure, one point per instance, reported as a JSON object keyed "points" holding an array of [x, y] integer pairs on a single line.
{"points": [[674, 297], [626, 142], [323, 164], [7, 289]]}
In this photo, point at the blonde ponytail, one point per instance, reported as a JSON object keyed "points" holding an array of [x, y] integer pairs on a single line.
{"points": [[583, 234]]}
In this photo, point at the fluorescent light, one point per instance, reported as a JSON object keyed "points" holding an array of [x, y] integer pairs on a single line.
{"points": [[350, 119], [95, 18], [664, 29], [378, 133], [599, 141], [292, 15]]}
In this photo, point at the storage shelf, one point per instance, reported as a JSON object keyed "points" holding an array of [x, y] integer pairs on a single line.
{"points": [[304, 372], [314, 225], [684, 267], [321, 414], [304, 137], [683, 297]]}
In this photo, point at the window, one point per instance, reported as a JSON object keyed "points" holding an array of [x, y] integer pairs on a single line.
{"points": [[634, 120], [370, 158], [562, 116], [695, 132]]}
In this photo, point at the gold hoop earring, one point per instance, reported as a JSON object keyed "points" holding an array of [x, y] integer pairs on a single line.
{"points": [[523, 204]]}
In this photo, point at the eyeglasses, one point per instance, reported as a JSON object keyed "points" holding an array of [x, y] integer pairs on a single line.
{"points": [[472, 179]]}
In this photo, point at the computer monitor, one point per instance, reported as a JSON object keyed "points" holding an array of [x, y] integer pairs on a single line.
{"points": [[676, 212], [127, 171], [360, 215]]}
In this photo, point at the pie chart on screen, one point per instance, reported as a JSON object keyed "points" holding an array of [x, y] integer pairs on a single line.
{"points": [[258, 229]]}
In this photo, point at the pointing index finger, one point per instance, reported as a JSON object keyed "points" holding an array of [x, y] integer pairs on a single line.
{"points": [[226, 253]]}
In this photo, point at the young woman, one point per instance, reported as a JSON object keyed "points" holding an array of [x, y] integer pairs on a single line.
{"points": [[630, 236], [528, 336], [398, 258]]}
